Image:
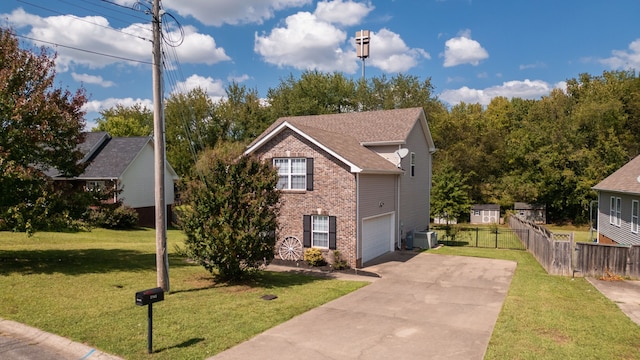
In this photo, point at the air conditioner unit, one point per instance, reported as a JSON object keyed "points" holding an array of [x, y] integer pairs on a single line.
{"points": [[425, 239]]}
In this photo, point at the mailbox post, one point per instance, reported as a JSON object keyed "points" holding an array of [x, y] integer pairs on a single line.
{"points": [[148, 297]]}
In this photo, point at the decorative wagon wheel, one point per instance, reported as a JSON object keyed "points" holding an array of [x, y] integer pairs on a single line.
{"points": [[290, 249]]}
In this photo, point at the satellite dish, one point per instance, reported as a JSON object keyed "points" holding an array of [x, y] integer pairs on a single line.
{"points": [[638, 179], [402, 153]]}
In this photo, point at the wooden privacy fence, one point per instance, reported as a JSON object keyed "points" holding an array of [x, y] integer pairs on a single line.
{"points": [[558, 254], [553, 251], [605, 260]]}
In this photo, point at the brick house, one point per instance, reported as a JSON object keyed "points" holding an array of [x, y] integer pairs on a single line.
{"points": [[352, 182], [619, 205]]}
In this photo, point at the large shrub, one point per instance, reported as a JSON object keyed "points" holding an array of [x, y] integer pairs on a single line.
{"points": [[230, 214]]}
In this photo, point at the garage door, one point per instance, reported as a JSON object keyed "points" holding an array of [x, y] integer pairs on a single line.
{"points": [[377, 236]]}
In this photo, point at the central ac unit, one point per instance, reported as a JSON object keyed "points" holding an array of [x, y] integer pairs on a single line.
{"points": [[425, 239]]}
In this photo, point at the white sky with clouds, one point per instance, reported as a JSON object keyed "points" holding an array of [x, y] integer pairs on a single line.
{"points": [[471, 50]]}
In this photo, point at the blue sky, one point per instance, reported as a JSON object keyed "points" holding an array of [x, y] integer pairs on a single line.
{"points": [[473, 50]]}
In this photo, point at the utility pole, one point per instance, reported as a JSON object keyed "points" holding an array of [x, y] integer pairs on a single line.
{"points": [[162, 257]]}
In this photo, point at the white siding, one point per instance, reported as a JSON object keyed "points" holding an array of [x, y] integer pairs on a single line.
{"points": [[138, 182], [621, 234]]}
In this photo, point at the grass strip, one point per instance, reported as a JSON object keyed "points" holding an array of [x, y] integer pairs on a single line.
{"points": [[82, 286], [554, 317]]}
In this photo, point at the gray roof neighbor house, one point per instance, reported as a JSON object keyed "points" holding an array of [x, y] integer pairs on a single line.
{"points": [[619, 205]]}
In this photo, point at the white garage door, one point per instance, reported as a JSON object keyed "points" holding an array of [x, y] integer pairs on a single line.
{"points": [[377, 236]]}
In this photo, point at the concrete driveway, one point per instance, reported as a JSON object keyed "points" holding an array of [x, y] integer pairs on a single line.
{"points": [[423, 306]]}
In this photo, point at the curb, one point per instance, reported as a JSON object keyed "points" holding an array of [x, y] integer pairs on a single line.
{"points": [[59, 344]]}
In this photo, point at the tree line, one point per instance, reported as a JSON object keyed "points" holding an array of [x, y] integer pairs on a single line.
{"points": [[548, 151]]}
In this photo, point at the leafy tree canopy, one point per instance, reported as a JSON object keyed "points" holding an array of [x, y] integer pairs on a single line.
{"points": [[40, 128]]}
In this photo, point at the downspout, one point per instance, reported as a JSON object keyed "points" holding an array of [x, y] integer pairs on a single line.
{"points": [[357, 218]]}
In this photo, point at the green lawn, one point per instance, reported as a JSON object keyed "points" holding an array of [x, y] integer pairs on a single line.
{"points": [[553, 317], [82, 286]]}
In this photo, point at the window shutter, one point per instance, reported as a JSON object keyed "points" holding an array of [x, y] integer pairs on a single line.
{"points": [[332, 232], [306, 225], [309, 174]]}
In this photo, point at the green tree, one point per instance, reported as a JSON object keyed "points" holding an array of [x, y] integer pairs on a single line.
{"points": [[241, 115], [450, 194], [230, 213], [122, 121], [40, 128]]}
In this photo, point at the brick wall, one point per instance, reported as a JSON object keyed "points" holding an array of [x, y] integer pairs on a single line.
{"points": [[333, 194]]}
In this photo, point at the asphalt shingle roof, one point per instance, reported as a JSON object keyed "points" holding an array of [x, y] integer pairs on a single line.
{"points": [[114, 158], [347, 134], [626, 179]]}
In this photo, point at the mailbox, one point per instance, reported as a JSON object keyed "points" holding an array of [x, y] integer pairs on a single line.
{"points": [[146, 297]]}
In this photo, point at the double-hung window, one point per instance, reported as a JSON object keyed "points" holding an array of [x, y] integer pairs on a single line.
{"points": [[413, 164], [319, 231], [634, 216], [615, 210], [294, 173]]}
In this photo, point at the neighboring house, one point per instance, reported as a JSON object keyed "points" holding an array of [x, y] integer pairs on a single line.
{"points": [[536, 213], [619, 205], [127, 164], [353, 182], [485, 214]]}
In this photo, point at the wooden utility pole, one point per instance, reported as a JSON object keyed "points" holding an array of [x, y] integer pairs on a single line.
{"points": [[162, 257]]}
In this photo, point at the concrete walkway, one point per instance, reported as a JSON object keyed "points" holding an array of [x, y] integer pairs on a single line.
{"points": [[626, 294], [423, 306]]}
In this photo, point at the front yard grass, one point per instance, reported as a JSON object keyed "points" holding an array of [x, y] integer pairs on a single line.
{"points": [[554, 317], [82, 286]]}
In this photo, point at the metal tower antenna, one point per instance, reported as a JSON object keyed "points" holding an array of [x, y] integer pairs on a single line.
{"points": [[362, 48]]}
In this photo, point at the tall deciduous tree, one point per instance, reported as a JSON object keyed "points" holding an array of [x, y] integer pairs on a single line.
{"points": [[450, 194], [230, 213], [40, 128], [120, 120]]}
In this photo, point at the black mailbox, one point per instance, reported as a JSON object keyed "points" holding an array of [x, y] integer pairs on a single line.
{"points": [[146, 297]]}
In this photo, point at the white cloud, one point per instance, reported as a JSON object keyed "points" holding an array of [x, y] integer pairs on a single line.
{"points": [[390, 53], [535, 65], [624, 59], [526, 89], [231, 12], [213, 87], [317, 41], [98, 105], [306, 43], [130, 45], [238, 78], [347, 13], [463, 50], [92, 79]]}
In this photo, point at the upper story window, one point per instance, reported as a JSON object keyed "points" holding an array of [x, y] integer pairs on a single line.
{"points": [[413, 164], [634, 216], [615, 211], [294, 173]]}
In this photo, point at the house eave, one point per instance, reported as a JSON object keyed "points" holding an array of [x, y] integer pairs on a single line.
{"points": [[353, 167], [383, 143], [626, 192]]}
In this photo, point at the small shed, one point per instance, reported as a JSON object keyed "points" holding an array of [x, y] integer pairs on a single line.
{"points": [[485, 214], [536, 213]]}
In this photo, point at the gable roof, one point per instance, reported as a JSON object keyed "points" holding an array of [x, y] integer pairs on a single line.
{"points": [[109, 157], [494, 207], [624, 180], [114, 158], [346, 135]]}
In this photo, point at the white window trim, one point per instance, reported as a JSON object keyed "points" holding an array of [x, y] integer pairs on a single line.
{"points": [[289, 174], [615, 210], [413, 164], [315, 218], [635, 210], [95, 185]]}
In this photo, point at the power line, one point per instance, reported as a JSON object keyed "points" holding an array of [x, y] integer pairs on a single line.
{"points": [[111, 9], [84, 50], [83, 20]]}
